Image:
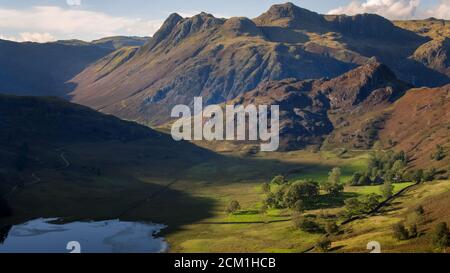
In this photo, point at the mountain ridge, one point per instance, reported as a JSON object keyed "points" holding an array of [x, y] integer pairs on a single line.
{"points": [[219, 59], [44, 69], [309, 107]]}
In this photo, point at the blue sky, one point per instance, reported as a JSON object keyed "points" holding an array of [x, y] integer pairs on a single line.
{"points": [[45, 20]]}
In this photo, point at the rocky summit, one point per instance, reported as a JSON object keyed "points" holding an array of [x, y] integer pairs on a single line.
{"points": [[221, 59]]}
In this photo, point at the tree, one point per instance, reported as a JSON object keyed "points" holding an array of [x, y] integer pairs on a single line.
{"points": [[264, 209], [398, 166], [354, 181], [323, 245], [413, 231], [429, 175], [233, 207], [440, 153], [270, 200], [300, 190], [333, 189], [299, 206], [278, 180], [441, 236], [332, 228], [334, 186], [305, 224], [400, 232], [420, 210], [401, 156], [417, 176], [371, 201], [265, 188], [377, 146], [334, 177], [414, 218], [397, 169], [364, 180], [362, 205], [387, 190]]}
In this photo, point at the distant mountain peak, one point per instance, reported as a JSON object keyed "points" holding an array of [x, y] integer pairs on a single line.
{"points": [[241, 25], [359, 84], [289, 15], [165, 30]]}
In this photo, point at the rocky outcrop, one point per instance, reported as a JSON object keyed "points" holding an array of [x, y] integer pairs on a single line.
{"points": [[311, 110], [359, 85], [290, 16], [241, 26], [435, 55], [220, 59]]}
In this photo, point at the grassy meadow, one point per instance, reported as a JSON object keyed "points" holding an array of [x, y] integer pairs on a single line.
{"points": [[136, 182]]}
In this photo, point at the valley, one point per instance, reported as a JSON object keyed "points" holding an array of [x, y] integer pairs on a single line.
{"points": [[364, 133]]}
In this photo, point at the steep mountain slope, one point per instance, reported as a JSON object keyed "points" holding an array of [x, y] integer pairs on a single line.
{"points": [[435, 55], [353, 111], [220, 59], [431, 27], [52, 120], [418, 123], [66, 161], [43, 69], [313, 109], [433, 197], [49, 139]]}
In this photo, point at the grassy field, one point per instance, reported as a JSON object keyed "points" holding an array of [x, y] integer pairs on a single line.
{"points": [[365, 190], [433, 196], [141, 184]]}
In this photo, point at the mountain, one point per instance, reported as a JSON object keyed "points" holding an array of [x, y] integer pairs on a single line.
{"points": [[37, 132], [32, 127], [431, 27], [220, 59], [118, 42], [61, 160], [354, 111], [417, 123], [435, 55], [112, 43], [44, 69], [311, 110], [51, 119]]}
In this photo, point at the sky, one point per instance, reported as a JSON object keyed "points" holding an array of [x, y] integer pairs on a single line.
{"points": [[50, 20]]}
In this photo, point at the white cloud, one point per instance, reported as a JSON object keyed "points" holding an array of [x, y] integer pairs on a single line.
{"points": [[392, 9], [441, 11], [30, 37], [52, 21], [74, 2]]}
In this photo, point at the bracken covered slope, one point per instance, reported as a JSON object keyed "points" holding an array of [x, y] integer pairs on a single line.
{"points": [[311, 110], [419, 122]]}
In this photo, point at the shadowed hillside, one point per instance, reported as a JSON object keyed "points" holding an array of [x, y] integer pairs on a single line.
{"points": [[44, 69], [59, 159]]}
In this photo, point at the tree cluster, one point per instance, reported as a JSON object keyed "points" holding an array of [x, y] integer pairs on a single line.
{"points": [[361, 205], [388, 166], [291, 194]]}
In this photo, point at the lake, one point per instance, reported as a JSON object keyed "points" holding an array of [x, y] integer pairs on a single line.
{"points": [[112, 236]]}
